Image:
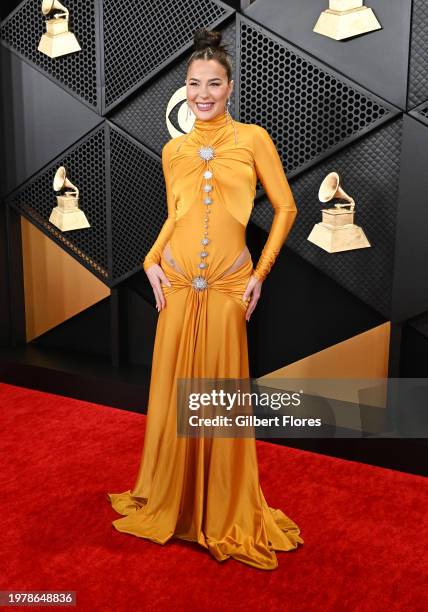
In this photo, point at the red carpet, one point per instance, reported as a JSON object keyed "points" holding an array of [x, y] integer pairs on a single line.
{"points": [[365, 528]]}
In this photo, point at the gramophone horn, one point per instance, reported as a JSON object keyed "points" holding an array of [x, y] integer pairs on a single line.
{"points": [[61, 181], [50, 5], [330, 188]]}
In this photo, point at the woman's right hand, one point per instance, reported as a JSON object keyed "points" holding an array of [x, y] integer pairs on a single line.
{"points": [[157, 276]]}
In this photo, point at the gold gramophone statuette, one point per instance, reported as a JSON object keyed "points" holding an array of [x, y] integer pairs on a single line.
{"points": [[67, 215], [337, 231], [57, 40], [346, 18]]}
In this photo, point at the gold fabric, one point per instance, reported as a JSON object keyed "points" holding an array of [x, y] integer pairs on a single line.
{"points": [[207, 490]]}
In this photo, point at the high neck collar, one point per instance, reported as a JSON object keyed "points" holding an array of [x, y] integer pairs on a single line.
{"points": [[202, 125]]}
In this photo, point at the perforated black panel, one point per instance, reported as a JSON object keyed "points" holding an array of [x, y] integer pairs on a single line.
{"points": [[140, 36], [369, 171], [77, 72], [308, 109], [418, 67], [138, 202], [85, 167], [143, 116]]}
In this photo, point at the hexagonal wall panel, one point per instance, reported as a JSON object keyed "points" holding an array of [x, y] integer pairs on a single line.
{"points": [[309, 110]]}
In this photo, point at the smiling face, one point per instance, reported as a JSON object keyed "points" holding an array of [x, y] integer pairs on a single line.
{"points": [[207, 88]]}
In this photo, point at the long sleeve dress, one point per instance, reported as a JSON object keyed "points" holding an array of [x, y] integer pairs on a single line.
{"points": [[207, 490]]}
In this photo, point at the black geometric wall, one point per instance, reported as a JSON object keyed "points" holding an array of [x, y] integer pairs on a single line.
{"points": [[328, 105], [370, 170], [40, 120], [78, 72], [131, 58], [137, 184], [308, 109], [123, 43], [118, 179], [410, 286], [378, 61], [86, 168], [418, 74]]}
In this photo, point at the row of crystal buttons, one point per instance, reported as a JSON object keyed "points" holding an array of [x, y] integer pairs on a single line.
{"points": [[199, 282]]}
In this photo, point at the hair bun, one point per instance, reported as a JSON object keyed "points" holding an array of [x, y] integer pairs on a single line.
{"points": [[203, 38], [207, 47]]}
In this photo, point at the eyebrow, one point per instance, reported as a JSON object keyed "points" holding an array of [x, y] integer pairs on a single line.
{"points": [[213, 79]]}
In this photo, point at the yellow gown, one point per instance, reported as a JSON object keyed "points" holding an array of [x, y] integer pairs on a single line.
{"points": [[207, 490]]}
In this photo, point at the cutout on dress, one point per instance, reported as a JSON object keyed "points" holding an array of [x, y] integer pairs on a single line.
{"points": [[242, 258], [167, 254]]}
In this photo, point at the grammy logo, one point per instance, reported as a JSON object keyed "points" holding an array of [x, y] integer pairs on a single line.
{"points": [[185, 116]]}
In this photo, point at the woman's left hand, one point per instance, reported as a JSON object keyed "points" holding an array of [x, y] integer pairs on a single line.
{"points": [[253, 291]]}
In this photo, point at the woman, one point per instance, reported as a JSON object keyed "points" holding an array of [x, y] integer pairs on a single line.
{"points": [[205, 285]]}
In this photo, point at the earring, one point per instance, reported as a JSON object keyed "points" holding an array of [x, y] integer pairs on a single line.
{"points": [[229, 116], [188, 111], [227, 111]]}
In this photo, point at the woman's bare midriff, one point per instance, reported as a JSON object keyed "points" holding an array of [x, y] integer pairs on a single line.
{"points": [[244, 256]]}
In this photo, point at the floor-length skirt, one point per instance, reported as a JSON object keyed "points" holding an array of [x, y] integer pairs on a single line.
{"points": [[202, 489]]}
